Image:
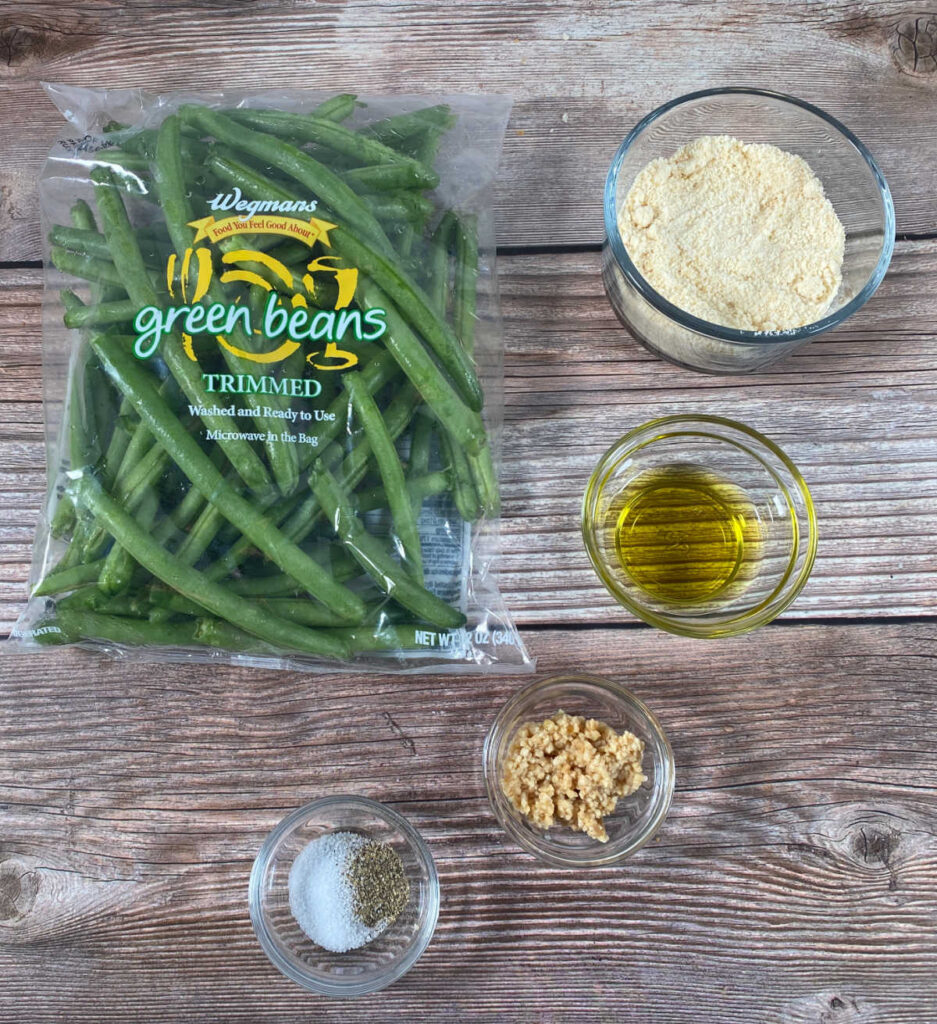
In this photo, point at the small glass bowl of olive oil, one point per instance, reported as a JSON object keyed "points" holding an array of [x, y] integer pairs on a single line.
{"points": [[699, 525]]}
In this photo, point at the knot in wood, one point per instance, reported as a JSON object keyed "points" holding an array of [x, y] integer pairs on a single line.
{"points": [[18, 890], [914, 45], [875, 844], [29, 40]]}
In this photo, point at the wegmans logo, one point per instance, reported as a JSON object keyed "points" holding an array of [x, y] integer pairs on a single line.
{"points": [[248, 208]]}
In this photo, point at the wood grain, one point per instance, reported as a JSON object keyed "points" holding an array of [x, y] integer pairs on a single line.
{"points": [[581, 75], [793, 880], [855, 411]]}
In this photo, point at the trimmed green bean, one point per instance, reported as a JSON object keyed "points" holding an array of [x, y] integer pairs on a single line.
{"points": [[421, 442], [419, 488], [384, 178], [85, 267], [133, 606], [388, 464], [392, 130], [386, 637], [104, 313], [133, 275], [466, 280], [198, 467], [335, 137], [88, 625], [417, 364], [371, 556], [463, 489], [68, 578], [338, 108], [176, 209], [119, 565], [192, 584]]}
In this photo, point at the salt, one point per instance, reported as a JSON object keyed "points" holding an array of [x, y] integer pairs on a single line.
{"points": [[321, 896]]}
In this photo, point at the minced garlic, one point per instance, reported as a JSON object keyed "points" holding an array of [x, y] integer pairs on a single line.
{"points": [[739, 234], [573, 770]]}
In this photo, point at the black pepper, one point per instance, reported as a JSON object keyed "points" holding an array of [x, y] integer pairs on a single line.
{"points": [[379, 884]]}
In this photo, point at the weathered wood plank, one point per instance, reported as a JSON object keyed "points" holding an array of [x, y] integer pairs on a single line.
{"points": [[581, 76], [793, 880], [855, 411]]}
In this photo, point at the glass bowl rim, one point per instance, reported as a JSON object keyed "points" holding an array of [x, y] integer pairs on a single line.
{"points": [[540, 847], [719, 331], [381, 979], [745, 621]]}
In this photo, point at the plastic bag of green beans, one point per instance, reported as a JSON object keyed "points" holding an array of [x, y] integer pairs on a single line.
{"points": [[272, 360]]}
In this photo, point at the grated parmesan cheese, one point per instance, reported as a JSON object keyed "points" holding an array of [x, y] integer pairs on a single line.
{"points": [[739, 234]]}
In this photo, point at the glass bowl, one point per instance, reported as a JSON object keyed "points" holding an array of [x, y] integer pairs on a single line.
{"points": [[851, 179], [636, 818], [359, 971], [777, 504]]}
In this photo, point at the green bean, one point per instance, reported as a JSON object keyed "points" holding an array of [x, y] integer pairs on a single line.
{"points": [[416, 363], [88, 625], [384, 178], [419, 488], [203, 532], [294, 163], [335, 137], [85, 267], [392, 209], [371, 556], [385, 455], [119, 565], [338, 108], [306, 613], [439, 260], [276, 584], [69, 578], [63, 517], [463, 489], [133, 606], [466, 281], [121, 161], [486, 485], [94, 244], [418, 310], [223, 635], [133, 274], [386, 637], [82, 216], [391, 130], [168, 171], [192, 584], [198, 467], [104, 313], [421, 439], [297, 519]]}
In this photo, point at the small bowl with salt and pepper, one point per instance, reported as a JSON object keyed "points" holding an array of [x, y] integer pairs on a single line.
{"points": [[344, 896]]}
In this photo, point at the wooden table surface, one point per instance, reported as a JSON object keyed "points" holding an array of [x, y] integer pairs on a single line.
{"points": [[796, 877]]}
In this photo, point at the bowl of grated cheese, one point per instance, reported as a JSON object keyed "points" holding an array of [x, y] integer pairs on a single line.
{"points": [[741, 224]]}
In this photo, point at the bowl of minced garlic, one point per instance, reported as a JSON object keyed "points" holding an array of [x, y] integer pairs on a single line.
{"points": [[740, 224], [578, 771]]}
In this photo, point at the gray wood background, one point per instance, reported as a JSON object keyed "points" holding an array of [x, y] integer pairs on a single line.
{"points": [[796, 878]]}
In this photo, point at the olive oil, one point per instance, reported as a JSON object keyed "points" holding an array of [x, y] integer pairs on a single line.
{"points": [[684, 535]]}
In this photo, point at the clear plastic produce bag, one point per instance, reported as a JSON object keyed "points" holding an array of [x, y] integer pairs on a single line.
{"points": [[273, 371]]}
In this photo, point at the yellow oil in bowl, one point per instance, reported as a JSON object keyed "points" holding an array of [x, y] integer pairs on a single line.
{"points": [[684, 535]]}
